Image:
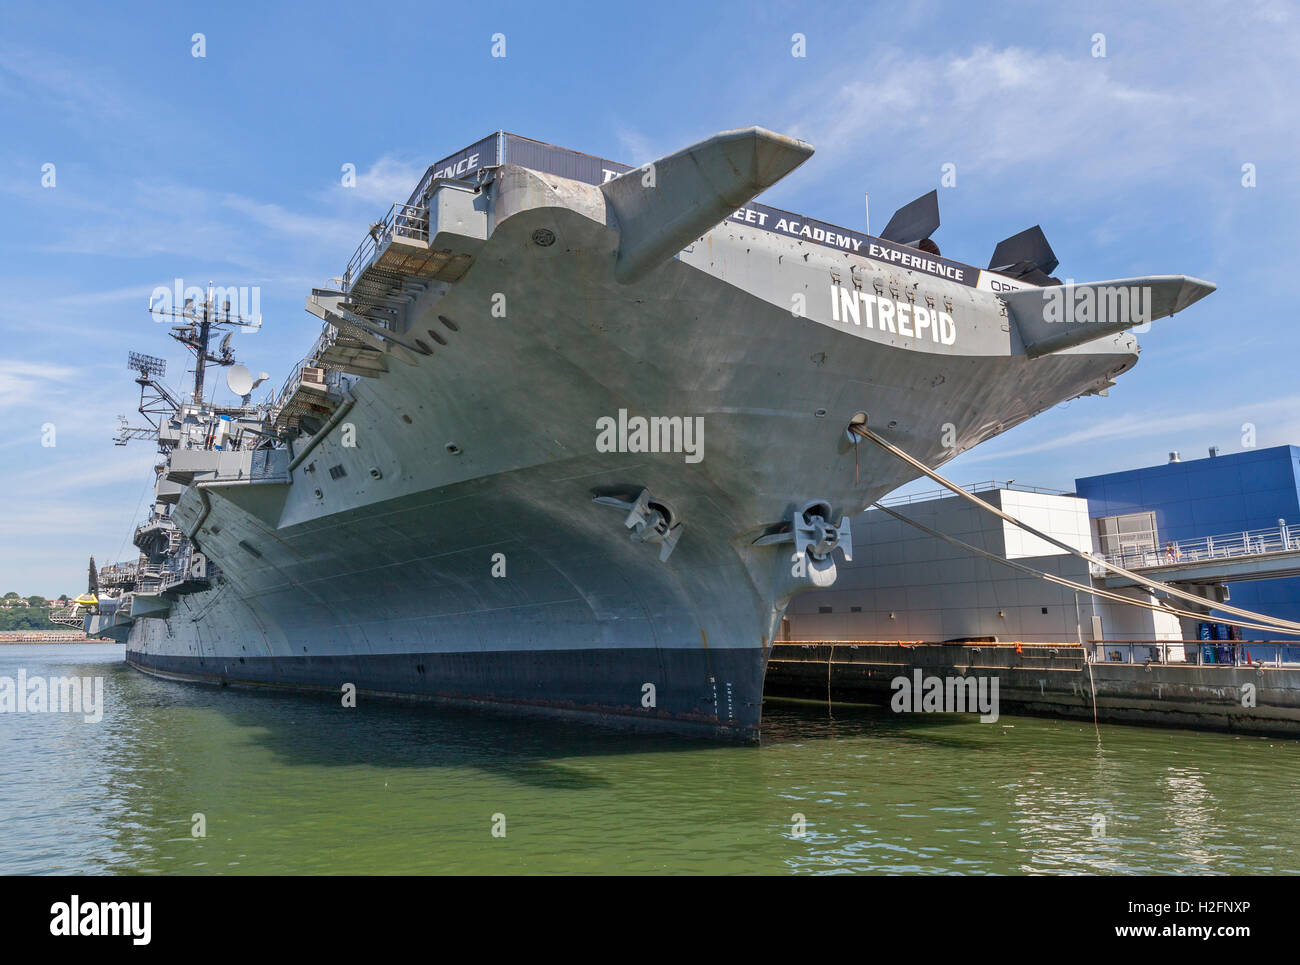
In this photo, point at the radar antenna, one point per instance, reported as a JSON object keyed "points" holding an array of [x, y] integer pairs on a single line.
{"points": [[156, 401], [197, 325]]}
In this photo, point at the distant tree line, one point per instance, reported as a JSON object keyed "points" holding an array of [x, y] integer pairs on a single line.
{"points": [[30, 613]]}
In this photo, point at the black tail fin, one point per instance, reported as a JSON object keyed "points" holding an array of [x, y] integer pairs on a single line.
{"points": [[1026, 255], [914, 221]]}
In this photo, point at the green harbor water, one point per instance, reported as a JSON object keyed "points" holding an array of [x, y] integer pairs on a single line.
{"points": [[299, 785]]}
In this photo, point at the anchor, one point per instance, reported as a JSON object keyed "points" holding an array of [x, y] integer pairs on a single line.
{"points": [[651, 521], [813, 534]]}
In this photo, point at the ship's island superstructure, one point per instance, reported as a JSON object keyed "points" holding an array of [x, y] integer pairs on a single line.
{"points": [[573, 434]]}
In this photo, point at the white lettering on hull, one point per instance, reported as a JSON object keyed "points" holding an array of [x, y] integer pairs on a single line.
{"points": [[863, 310]]}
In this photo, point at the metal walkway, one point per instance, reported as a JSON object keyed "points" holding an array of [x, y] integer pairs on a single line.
{"points": [[396, 251], [1258, 554]]}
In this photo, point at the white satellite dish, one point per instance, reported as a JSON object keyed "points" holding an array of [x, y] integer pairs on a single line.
{"points": [[239, 380]]}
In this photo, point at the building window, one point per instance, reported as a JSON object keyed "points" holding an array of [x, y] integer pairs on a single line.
{"points": [[1131, 538], [855, 609], [823, 609]]}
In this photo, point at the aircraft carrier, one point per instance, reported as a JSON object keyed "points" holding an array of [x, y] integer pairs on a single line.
{"points": [[574, 433]]}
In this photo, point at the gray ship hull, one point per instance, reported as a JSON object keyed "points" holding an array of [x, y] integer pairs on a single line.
{"points": [[378, 563], [399, 599]]}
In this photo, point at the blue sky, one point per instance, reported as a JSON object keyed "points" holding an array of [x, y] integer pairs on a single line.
{"points": [[228, 167]]}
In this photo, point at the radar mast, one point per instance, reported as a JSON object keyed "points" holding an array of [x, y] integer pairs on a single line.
{"points": [[197, 324]]}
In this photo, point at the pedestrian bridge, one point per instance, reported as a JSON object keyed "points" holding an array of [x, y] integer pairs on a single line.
{"points": [[1257, 554]]}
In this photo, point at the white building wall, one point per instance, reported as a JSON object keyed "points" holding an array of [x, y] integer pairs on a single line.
{"points": [[1121, 622], [1062, 517]]}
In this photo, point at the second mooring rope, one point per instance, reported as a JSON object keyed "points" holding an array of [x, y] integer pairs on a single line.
{"points": [[1259, 621]]}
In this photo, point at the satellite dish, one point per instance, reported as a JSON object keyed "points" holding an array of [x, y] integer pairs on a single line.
{"points": [[239, 380]]}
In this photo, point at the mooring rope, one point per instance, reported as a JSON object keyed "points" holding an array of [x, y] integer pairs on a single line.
{"points": [[830, 712], [1092, 689], [1163, 607], [1260, 621]]}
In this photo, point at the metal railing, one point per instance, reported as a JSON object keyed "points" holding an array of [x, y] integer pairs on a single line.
{"points": [[291, 381], [163, 524], [118, 574], [978, 487], [73, 616], [1200, 653], [171, 571], [333, 379], [268, 464], [402, 221], [1249, 542], [177, 571]]}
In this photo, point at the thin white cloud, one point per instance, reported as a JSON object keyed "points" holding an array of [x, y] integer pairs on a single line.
{"points": [[66, 475], [1280, 416], [636, 147], [24, 382], [94, 299], [386, 181], [290, 224], [29, 75], [1166, 97]]}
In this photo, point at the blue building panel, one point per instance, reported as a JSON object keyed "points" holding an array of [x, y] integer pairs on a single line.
{"points": [[1213, 496], [1173, 491], [1212, 480], [1213, 515], [1261, 476]]}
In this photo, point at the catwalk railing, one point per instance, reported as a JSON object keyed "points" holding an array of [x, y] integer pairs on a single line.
{"points": [[402, 221], [1251, 542]]}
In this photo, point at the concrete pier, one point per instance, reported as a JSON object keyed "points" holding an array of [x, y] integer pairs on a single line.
{"points": [[1050, 679]]}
